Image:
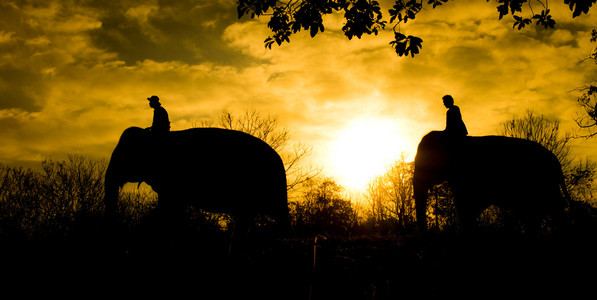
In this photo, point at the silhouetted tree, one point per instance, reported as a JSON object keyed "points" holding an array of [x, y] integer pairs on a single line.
{"points": [[269, 130], [400, 190], [63, 197], [19, 200], [323, 209], [76, 185], [546, 131], [365, 17], [391, 195], [440, 206], [376, 196], [391, 202]]}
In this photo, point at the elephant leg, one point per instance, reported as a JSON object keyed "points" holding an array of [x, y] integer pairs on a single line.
{"points": [[558, 209], [241, 225], [467, 220], [170, 213], [467, 212]]}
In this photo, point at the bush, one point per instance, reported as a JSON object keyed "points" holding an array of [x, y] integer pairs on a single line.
{"points": [[62, 198]]}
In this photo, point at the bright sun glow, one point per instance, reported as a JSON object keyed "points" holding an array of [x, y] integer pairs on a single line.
{"points": [[363, 150]]}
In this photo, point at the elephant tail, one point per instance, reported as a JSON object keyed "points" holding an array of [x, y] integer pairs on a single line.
{"points": [[281, 211], [564, 189], [284, 210]]}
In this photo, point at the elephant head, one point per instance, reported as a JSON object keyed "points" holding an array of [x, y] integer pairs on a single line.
{"points": [[128, 163], [214, 169], [431, 168], [513, 173]]}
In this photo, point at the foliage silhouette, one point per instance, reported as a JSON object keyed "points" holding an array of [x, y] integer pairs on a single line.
{"points": [[391, 199], [62, 198], [323, 210], [365, 17]]}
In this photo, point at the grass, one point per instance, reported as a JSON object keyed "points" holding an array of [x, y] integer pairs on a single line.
{"points": [[196, 264], [56, 244]]}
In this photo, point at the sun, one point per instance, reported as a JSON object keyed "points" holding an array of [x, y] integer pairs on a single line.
{"points": [[363, 150]]}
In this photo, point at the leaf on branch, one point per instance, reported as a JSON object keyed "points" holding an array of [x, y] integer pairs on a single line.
{"points": [[254, 7], [404, 45], [308, 16], [520, 22], [516, 5], [503, 10], [362, 17], [545, 19], [579, 6], [509, 7], [436, 2], [269, 42], [403, 11], [395, 11], [280, 25]]}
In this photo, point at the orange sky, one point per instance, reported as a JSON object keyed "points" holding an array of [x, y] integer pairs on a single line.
{"points": [[73, 76]]}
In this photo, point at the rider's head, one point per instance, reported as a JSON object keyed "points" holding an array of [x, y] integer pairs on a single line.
{"points": [[448, 101], [154, 101]]}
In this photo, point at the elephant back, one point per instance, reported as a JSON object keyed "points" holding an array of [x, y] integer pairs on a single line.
{"points": [[230, 168]]}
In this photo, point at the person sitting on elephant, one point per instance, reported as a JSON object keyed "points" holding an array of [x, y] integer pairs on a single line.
{"points": [[454, 124], [161, 123]]}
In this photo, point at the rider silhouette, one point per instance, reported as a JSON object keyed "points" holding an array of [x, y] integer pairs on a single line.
{"points": [[161, 123], [454, 124]]}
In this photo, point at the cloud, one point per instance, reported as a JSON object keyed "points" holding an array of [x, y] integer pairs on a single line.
{"points": [[74, 75], [166, 30]]}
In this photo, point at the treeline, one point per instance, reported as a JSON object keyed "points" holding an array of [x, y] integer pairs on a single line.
{"points": [[62, 198], [65, 198]]}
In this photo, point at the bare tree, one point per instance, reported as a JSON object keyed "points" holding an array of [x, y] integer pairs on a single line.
{"points": [[588, 98], [400, 191], [376, 198], [77, 183], [588, 101], [390, 195]]}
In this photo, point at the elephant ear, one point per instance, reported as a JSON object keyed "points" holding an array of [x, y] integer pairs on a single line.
{"points": [[134, 154]]}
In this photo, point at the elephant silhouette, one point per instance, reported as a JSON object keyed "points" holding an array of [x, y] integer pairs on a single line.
{"points": [[218, 170], [516, 174]]}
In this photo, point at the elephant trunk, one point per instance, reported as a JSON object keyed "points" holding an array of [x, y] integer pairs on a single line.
{"points": [[111, 189], [420, 193]]}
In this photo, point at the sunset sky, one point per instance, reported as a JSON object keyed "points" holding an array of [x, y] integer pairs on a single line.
{"points": [[75, 74]]}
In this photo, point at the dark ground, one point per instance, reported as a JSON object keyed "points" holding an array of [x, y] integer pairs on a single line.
{"points": [[197, 265]]}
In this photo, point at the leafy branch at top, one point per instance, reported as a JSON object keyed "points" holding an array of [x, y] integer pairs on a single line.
{"points": [[364, 17], [588, 98]]}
